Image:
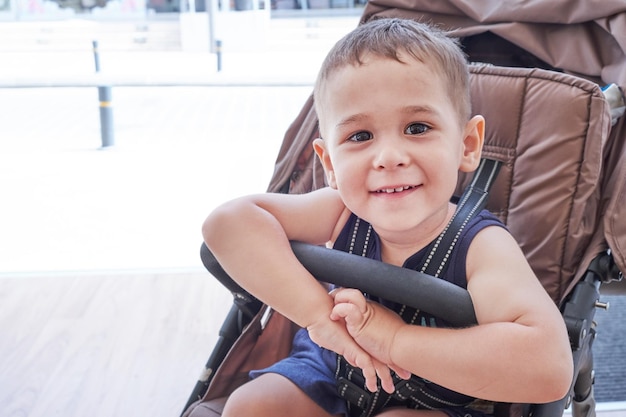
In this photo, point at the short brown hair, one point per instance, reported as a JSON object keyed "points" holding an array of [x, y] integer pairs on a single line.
{"points": [[385, 37]]}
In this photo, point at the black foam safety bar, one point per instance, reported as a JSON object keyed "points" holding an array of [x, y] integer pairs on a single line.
{"points": [[405, 286]]}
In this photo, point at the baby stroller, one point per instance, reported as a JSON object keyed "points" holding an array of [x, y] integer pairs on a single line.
{"points": [[560, 147]]}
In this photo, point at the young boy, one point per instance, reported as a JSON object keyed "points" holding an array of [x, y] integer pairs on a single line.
{"points": [[392, 99]]}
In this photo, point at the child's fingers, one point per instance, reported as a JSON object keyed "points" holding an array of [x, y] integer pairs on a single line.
{"points": [[371, 381], [402, 373], [386, 381], [373, 370], [345, 311], [352, 296], [360, 359]]}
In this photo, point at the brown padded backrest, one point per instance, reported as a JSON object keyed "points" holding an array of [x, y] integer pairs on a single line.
{"points": [[550, 130]]}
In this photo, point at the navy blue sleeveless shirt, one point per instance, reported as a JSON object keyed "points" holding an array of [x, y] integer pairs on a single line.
{"points": [[313, 368]]}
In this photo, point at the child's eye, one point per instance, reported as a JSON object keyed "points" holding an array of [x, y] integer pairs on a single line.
{"points": [[360, 137], [416, 129]]}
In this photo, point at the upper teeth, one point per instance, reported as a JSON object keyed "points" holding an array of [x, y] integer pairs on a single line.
{"points": [[394, 190]]}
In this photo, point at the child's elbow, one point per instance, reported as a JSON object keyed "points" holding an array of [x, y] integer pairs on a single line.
{"points": [[208, 230], [215, 227], [556, 380]]}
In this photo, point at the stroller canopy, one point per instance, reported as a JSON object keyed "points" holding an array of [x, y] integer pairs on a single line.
{"points": [[584, 38]]}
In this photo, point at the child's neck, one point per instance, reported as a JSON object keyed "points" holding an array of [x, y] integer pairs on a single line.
{"points": [[396, 252], [395, 257]]}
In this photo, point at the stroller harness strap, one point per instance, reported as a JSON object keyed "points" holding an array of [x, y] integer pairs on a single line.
{"points": [[413, 392]]}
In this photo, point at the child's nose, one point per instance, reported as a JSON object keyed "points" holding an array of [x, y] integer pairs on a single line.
{"points": [[390, 154]]}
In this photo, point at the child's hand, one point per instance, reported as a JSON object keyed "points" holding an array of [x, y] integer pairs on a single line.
{"points": [[370, 324], [333, 335]]}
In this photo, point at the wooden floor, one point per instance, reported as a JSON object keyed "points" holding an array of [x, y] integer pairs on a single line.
{"points": [[109, 345], [105, 345]]}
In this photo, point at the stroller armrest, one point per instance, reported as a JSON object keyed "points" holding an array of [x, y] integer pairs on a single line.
{"points": [[425, 292]]}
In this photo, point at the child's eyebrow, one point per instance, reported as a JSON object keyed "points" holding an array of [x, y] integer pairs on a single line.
{"points": [[409, 110], [355, 118], [420, 109]]}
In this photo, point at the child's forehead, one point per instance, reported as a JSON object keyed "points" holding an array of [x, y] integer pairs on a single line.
{"points": [[378, 69], [410, 63], [376, 65], [410, 83]]}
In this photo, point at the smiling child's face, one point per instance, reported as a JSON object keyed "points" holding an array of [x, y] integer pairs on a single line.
{"points": [[393, 143]]}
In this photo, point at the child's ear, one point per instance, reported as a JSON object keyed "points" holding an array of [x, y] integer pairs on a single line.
{"points": [[322, 153], [473, 139]]}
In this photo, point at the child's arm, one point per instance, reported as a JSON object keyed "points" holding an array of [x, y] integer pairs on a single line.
{"points": [[250, 239], [519, 352]]}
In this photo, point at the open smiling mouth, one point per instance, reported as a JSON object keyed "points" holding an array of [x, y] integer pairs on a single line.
{"points": [[395, 190]]}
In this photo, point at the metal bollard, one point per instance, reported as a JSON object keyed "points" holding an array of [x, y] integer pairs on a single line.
{"points": [[218, 51], [106, 116], [96, 55]]}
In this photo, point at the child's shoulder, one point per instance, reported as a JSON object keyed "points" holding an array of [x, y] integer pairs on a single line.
{"points": [[485, 219]]}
